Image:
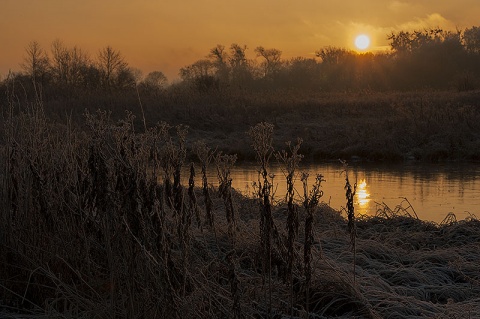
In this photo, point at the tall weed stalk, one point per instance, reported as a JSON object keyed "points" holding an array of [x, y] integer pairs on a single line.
{"points": [[224, 164], [352, 230], [310, 203], [192, 197], [262, 140], [205, 155], [290, 160]]}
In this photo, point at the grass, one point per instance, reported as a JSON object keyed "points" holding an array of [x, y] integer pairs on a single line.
{"points": [[427, 126], [95, 223], [375, 126]]}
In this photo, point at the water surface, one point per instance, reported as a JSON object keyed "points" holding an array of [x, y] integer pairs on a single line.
{"points": [[432, 190]]}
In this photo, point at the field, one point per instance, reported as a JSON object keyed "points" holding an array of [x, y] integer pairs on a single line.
{"points": [[425, 125], [97, 224]]}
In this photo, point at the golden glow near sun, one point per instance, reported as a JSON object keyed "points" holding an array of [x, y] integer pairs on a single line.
{"points": [[362, 42], [362, 194]]}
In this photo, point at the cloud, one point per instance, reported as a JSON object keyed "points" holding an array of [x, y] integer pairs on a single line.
{"points": [[432, 20]]}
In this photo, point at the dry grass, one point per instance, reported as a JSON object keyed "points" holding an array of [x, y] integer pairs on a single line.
{"points": [[93, 227], [420, 125]]}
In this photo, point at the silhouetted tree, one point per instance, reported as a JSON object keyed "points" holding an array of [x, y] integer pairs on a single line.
{"points": [[155, 80], [300, 72], [238, 58], [36, 63], [240, 72], [68, 64], [411, 42], [201, 74], [91, 77], [125, 79], [428, 58], [400, 42], [337, 67], [272, 63], [334, 55], [200, 68], [110, 64], [471, 39], [60, 62], [220, 60]]}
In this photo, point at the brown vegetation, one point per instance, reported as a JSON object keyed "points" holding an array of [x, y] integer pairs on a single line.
{"points": [[92, 226]]}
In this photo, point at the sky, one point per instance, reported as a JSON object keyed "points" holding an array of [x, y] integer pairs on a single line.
{"points": [[165, 35]]}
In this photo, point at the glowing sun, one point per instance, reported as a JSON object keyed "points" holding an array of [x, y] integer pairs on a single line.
{"points": [[362, 42]]}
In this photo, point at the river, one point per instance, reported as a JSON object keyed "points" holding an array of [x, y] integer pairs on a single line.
{"points": [[432, 190]]}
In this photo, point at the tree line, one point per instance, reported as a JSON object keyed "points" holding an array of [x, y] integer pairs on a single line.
{"points": [[71, 70], [433, 59]]}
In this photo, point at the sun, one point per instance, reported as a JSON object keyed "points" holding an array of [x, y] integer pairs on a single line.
{"points": [[362, 42]]}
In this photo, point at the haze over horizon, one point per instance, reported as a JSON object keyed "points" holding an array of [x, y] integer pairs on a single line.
{"points": [[167, 35]]}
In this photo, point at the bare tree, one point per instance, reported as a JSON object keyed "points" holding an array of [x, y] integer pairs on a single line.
{"points": [[272, 62], [334, 55], [80, 61], [110, 64], [60, 61], [36, 63], [220, 59], [200, 68], [239, 65], [201, 74], [68, 64], [238, 58]]}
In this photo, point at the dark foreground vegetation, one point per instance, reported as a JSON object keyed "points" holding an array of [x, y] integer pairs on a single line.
{"points": [[97, 224]]}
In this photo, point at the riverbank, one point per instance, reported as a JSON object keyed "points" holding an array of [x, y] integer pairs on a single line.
{"points": [[400, 267], [99, 224]]}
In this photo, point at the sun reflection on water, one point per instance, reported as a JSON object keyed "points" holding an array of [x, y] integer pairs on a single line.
{"points": [[363, 196]]}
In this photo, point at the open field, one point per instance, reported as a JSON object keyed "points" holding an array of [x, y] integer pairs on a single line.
{"points": [[96, 224], [425, 125]]}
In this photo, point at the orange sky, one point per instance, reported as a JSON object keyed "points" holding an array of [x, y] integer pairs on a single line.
{"points": [[165, 35]]}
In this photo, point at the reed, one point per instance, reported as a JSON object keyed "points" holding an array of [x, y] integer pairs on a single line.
{"points": [[224, 164], [351, 226], [205, 155], [290, 159], [262, 139], [192, 197], [310, 202]]}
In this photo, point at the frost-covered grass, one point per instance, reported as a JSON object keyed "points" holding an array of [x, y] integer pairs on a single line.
{"points": [[97, 224]]}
